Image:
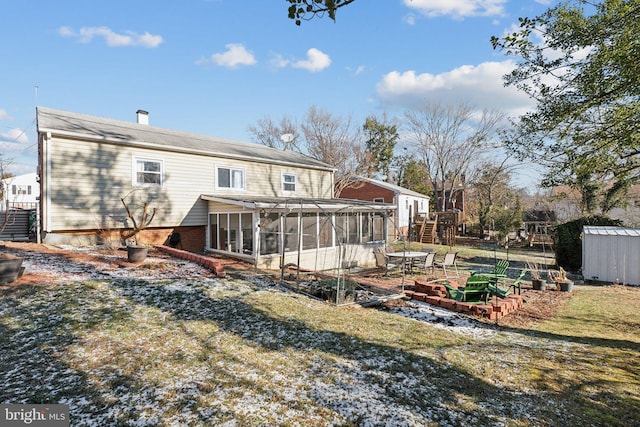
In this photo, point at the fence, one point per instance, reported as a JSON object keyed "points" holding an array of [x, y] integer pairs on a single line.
{"points": [[19, 221]]}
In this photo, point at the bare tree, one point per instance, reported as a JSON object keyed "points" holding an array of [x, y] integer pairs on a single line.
{"points": [[142, 222], [284, 135], [497, 204], [335, 141], [323, 136], [450, 138]]}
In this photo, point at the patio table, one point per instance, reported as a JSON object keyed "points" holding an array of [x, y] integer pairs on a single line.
{"points": [[407, 256]]}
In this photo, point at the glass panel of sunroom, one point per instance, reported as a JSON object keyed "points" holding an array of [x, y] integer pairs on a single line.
{"points": [[325, 233], [378, 227], [234, 233], [366, 227], [353, 228], [213, 231], [309, 231], [270, 234], [292, 235], [247, 233]]}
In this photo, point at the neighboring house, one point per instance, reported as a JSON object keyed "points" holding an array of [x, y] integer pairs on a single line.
{"points": [[268, 206], [566, 203], [453, 199], [409, 204], [21, 191], [567, 206], [538, 226]]}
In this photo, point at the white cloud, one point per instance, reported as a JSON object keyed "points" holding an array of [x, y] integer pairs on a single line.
{"points": [[129, 38], [410, 19], [356, 71], [480, 86], [316, 61], [14, 136], [235, 55], [457, 9], [278, 61], [4, 115]]}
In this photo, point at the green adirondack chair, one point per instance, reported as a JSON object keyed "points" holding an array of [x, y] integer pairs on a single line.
{"points": [[466, 294], [481, 280], [501, 291], [453, 292], [499, 269]]}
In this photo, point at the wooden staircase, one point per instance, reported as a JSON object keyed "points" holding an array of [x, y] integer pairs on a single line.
{"points": [[427, 230]]}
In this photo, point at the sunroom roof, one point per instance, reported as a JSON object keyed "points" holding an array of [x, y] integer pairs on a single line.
{"points": [[284, 203]]}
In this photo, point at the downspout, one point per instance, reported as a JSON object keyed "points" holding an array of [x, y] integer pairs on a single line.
{"points": [[45, 182]]}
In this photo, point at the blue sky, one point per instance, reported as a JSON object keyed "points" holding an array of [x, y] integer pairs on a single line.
{"points": [[214, 67]]}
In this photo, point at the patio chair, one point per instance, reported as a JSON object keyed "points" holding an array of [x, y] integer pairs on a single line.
{"points": [[494, 289], [482, 279], [516, 285], [382, 261], [465, 294], [448, 261], [428, 263], [503, 290], [453, 292], [499, 270]]}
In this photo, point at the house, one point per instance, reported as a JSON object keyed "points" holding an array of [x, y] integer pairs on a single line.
{"points": [[21, 191], [267, 206], [538, 226], [610, 254], [18, 208], [408, 204], [567, 203]]}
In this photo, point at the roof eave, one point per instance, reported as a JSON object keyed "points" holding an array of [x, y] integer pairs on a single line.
{"points": [[175, 149]]}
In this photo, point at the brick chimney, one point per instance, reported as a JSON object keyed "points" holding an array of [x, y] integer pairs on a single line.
{"points": [[143, 117]]}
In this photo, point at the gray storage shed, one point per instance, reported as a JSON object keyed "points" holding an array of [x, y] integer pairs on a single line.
{"points": [[611, 254]]}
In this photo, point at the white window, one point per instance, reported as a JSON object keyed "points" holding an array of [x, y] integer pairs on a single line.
{"points": [[289, 181], [378, 199], [230, 178], [148, 172]]}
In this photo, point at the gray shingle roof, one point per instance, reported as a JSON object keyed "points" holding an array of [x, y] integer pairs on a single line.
{"points": [[392, 187], [130, 133]]}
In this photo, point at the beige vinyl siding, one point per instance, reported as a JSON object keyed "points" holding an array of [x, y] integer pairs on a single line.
{"points": [[88, 179], [263, 179]]}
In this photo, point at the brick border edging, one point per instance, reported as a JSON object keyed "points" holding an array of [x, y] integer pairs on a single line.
{"points": [[431, 293], [205, 261]]}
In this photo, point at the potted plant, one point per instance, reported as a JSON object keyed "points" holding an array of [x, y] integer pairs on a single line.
{"points": [[137, 251], [562, 281], [537, 281]]}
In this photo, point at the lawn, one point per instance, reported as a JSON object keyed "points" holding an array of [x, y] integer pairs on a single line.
{"points": [[166, 344]]}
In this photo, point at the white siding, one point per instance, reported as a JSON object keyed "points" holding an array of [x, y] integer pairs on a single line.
{"points": [[406, 203], [23, 184]]}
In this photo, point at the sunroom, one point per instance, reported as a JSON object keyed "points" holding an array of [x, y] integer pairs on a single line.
{"points": [[314, 234]]}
